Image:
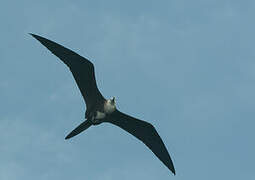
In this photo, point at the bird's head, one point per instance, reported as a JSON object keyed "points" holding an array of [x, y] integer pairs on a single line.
{"points": [[112, 101], [110, 105]]}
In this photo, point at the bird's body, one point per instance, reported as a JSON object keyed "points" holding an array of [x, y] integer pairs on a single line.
{"points": [[99, 109]]}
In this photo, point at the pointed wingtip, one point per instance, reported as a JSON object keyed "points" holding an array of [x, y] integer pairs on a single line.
{"points": [[34, 35], [174, 172], [67, 137], [172, 169], [31, 34]]}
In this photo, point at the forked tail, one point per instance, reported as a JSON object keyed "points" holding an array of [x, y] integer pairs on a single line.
{"points": [[82, 127]]}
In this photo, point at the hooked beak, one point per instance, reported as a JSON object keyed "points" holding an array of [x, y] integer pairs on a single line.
{"points": [[113, 101]]}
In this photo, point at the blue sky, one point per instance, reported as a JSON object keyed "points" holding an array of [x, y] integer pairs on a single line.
{"points": [[187, 67]]}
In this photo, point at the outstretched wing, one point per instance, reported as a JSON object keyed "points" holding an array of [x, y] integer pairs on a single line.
{"points": [[81, 68], [145, 132]]}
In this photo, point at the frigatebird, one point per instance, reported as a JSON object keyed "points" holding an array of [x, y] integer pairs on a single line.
{"points": [[99, 109]]}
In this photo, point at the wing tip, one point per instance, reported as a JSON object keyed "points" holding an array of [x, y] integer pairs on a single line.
{"points": [[173, 171], [39, 38], [32, 34], [68, 136], [170, 166]]}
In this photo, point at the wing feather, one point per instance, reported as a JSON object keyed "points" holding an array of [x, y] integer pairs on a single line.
{"points": [[145, 132], [82, 127], [81, 68]]}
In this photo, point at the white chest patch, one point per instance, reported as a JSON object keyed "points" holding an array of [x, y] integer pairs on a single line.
{"points": [[109, 107], [100, 115]]}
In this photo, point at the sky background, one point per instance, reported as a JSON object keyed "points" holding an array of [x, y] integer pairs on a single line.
{"points": [[187, 67]]}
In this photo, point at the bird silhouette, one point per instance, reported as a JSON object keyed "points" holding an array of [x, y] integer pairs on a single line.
{"points": [[99, 109]]}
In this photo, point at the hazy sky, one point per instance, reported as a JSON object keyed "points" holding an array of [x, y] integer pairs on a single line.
{"points": [[187, 67]]}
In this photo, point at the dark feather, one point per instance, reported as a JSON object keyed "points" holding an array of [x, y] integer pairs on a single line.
{"points": [[82, 127], [145, 132], [81, 68]]}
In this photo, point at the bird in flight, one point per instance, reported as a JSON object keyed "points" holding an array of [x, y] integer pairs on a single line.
{"points": [[101, 110]]}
